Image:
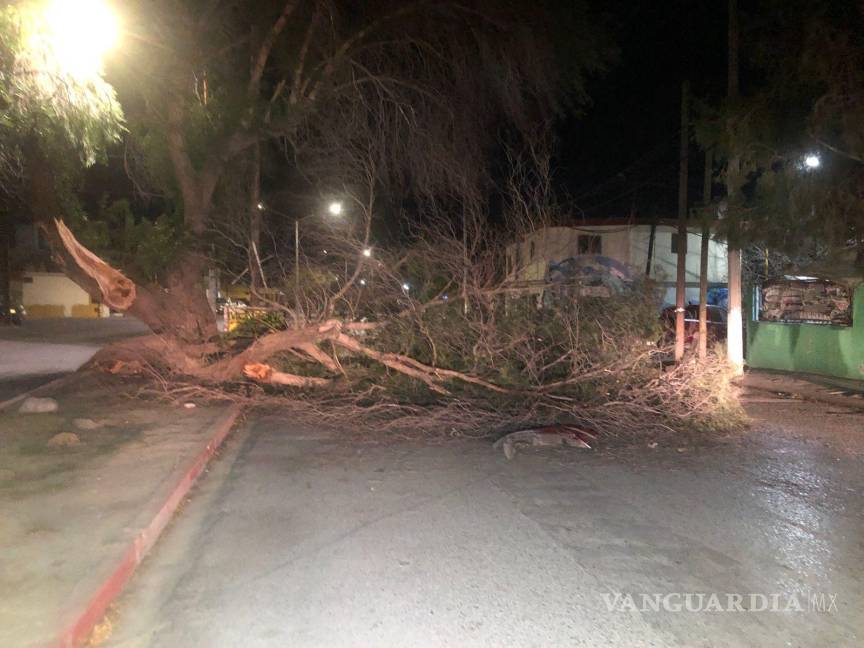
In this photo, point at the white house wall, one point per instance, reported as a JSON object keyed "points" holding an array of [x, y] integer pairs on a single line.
{"points": [[665, 262], [625, 243]]}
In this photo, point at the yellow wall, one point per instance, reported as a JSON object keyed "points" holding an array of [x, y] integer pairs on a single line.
{"points": [[52, 294]]}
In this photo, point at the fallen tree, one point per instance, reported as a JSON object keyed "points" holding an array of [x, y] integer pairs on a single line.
{"points": [[403, 114], [500, 362]]}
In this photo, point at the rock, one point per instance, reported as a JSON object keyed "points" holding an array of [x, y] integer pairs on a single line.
{"points": [[87, 424], [33, 405], [189, 405], [64, 439]]}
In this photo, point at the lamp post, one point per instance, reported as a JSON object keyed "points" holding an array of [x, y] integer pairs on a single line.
{"points": [[334, 209]]}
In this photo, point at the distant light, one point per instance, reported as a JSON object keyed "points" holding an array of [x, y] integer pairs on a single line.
{"points": [[445, 297], [367, 252], [812, 161], [260, 206], [406, 287], [362, 282], [324, 251], [335, 208]]}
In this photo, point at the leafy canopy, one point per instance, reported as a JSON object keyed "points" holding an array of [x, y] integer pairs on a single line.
{"points": [[41, 97]]}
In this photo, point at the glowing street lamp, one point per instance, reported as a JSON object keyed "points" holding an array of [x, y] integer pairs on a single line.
{"points": [[367, 252], [80, 33], [335, 209], [812, 161]]}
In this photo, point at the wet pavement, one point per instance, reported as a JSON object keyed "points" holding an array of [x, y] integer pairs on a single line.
{"points": [[42, 350], [300, 538]]}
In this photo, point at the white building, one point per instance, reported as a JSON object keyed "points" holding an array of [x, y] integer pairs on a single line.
{"points": [[529, 260]]}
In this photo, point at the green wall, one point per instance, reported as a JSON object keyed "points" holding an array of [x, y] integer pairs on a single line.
{"points": [[810, 348]]}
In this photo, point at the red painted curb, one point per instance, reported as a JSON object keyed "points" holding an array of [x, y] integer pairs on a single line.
{"points": [[85, 620]]}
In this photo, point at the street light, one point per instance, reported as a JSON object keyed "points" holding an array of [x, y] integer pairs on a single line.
{"points": [[335, 209], [812, 161], [367, 252], [80, 33]]}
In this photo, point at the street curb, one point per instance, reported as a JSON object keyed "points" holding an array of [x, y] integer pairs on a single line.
{"points": [[51, 384], [94, 610]]}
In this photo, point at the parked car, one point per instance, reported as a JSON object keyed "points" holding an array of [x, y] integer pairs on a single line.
{"points": [[716, 324], [11, 313]]}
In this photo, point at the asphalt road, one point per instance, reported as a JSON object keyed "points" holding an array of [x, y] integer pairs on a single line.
{"points": [[41, 350], [301, 538]]}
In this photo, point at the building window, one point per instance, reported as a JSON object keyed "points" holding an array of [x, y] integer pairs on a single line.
{"points": [[674, 244], [590, 244]]}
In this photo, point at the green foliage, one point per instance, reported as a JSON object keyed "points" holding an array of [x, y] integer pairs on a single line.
{"points": [[39, 99], [255, 322], [143, 248], [802, 94]]}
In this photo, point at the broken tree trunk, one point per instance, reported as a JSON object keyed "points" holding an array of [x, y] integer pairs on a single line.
{"points": [[181, 354]]}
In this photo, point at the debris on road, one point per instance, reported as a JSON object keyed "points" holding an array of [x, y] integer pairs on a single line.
{"points": [[546, 436], [87, 424], [33, 405], [64, 439]]}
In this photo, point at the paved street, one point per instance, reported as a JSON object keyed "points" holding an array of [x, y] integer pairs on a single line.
{"points": [[299, 538], [41, 350]]}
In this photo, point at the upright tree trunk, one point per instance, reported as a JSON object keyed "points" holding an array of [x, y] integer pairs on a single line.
{"points": [[683, 165], [735, 322]]}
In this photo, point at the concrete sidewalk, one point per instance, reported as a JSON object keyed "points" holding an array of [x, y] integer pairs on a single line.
{"points": [[72, 505], [823, 389]]}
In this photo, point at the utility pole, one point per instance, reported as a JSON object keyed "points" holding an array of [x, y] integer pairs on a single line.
{"points": [[703, 255], [734, 334], [683, 166], [255, 214], [464, 261], [297, 267]]}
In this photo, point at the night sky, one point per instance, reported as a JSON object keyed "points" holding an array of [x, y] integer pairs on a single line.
{"points": [[621, 157]]}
